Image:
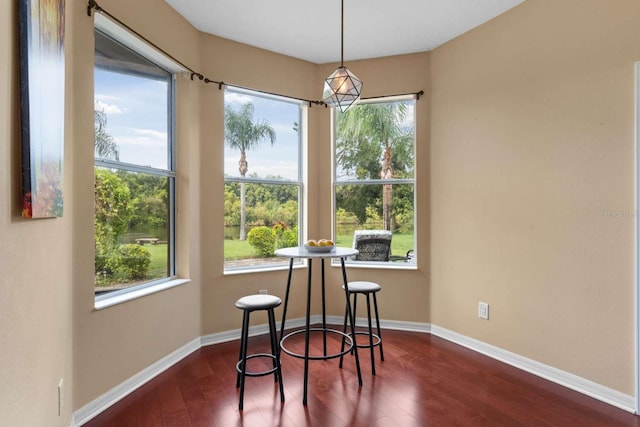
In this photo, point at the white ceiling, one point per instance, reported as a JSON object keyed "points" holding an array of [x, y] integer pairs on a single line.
{"points": [[310, 29]]}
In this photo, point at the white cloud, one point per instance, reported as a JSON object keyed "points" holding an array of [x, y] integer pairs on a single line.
{"points": [[237, 98], [144, 138], [108, 108], [105, 97], [282, 169]]}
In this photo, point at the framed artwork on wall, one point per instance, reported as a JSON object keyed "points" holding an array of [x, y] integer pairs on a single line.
{"points": [[42, 86]]}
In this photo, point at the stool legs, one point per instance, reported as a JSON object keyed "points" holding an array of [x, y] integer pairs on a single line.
{"points": [[373, 363], [243, 356], [344, 328], [275, 354], [275, 349], [371, 344], [375, 306]]}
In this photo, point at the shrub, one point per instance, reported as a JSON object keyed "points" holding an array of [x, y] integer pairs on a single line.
{"points": [[344, 217], [263, 239], [288, 238], [133, 261]]}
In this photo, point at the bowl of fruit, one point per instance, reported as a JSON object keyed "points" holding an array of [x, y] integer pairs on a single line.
{"points": [[319, 246]]}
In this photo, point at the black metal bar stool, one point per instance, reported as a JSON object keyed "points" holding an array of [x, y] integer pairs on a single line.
{"points": [[375, 340], [247, 305]]}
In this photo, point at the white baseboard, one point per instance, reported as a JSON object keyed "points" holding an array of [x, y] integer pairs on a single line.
{"points": [[563, 378], [227, 336], [395, 325], [117, 393]]}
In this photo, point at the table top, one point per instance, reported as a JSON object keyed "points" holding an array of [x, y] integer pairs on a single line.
{"points": [[301, 252]]}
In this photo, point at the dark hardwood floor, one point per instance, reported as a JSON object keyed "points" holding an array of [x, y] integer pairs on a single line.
{"points": [[424, 381]]}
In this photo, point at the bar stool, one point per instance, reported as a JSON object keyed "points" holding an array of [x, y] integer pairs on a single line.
{"points": [[247, 305], [368, 289]]}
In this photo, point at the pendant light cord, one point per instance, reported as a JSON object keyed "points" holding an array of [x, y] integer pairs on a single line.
{"points": [[342, 34]]}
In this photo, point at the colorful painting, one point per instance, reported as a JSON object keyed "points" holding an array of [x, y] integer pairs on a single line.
{"points": [[42, 106]]}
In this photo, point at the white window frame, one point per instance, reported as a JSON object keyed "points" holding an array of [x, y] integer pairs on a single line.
{"points": [[299, 182], [133, 42], [408, 265]]}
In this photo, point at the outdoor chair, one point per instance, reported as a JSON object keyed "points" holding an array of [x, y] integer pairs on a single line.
{"points": [[375, 245]]}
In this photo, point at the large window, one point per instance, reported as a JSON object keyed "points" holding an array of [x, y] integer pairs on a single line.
{"points": [[262, 178], [374, 181], [134, 169]]}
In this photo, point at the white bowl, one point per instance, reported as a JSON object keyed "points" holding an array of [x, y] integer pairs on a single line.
{"points": [[319, 249]]}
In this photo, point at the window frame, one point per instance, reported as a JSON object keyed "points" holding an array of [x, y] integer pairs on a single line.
{"points": [[132, 42], [298, 183], [336, 183]]}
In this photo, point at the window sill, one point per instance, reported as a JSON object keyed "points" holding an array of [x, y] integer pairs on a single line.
{"points": [[408, 266], [379, 265], [262, 269], [138, 293]]}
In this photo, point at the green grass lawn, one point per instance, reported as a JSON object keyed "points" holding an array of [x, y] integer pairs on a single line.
{"points": [[158, 265], [239, 249], [236, 249]]}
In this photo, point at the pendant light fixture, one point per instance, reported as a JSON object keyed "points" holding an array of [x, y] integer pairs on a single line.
{"points": [[342, 88]]}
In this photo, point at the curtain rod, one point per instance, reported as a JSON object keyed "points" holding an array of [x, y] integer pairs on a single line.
{"points": [[93, 5]]}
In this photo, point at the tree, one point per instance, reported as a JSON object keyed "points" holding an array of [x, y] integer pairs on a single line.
{"points": [[104, 144], [243, 134], [111, 218], [150, 199], [368, 136]]}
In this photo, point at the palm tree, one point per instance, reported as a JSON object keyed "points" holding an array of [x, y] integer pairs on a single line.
{"points": [[368, 135], [104, 145], [243, 134]]}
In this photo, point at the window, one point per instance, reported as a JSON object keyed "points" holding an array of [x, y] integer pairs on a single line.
{"points": [[374, 181], [134, 169], [262, 178]]}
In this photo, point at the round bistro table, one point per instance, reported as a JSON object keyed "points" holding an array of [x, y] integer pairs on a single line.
{"points": [[300, 252]]}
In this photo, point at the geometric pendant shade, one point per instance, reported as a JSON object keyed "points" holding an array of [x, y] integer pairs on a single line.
{"points": [[341, 89]]}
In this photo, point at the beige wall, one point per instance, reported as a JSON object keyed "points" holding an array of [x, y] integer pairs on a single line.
{"points": [[532, 141], [525, 138], [37, 270], [234, 63], [405, 292], [241, 65], [115, 343]]}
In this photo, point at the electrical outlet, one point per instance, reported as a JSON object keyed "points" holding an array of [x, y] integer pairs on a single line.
{"points": [[60, 397], [483, 310], [262, 291]]}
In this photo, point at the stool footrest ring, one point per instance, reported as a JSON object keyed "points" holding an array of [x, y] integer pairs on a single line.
{"points": [[347, 349], [376, 339], [257, 374]]}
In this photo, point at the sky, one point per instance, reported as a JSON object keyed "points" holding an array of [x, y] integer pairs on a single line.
{"points": [[281, 159], [136, 110]]}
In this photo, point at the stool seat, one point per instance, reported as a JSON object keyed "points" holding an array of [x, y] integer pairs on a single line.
{"points": [[363, 287], [258, 302]]}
